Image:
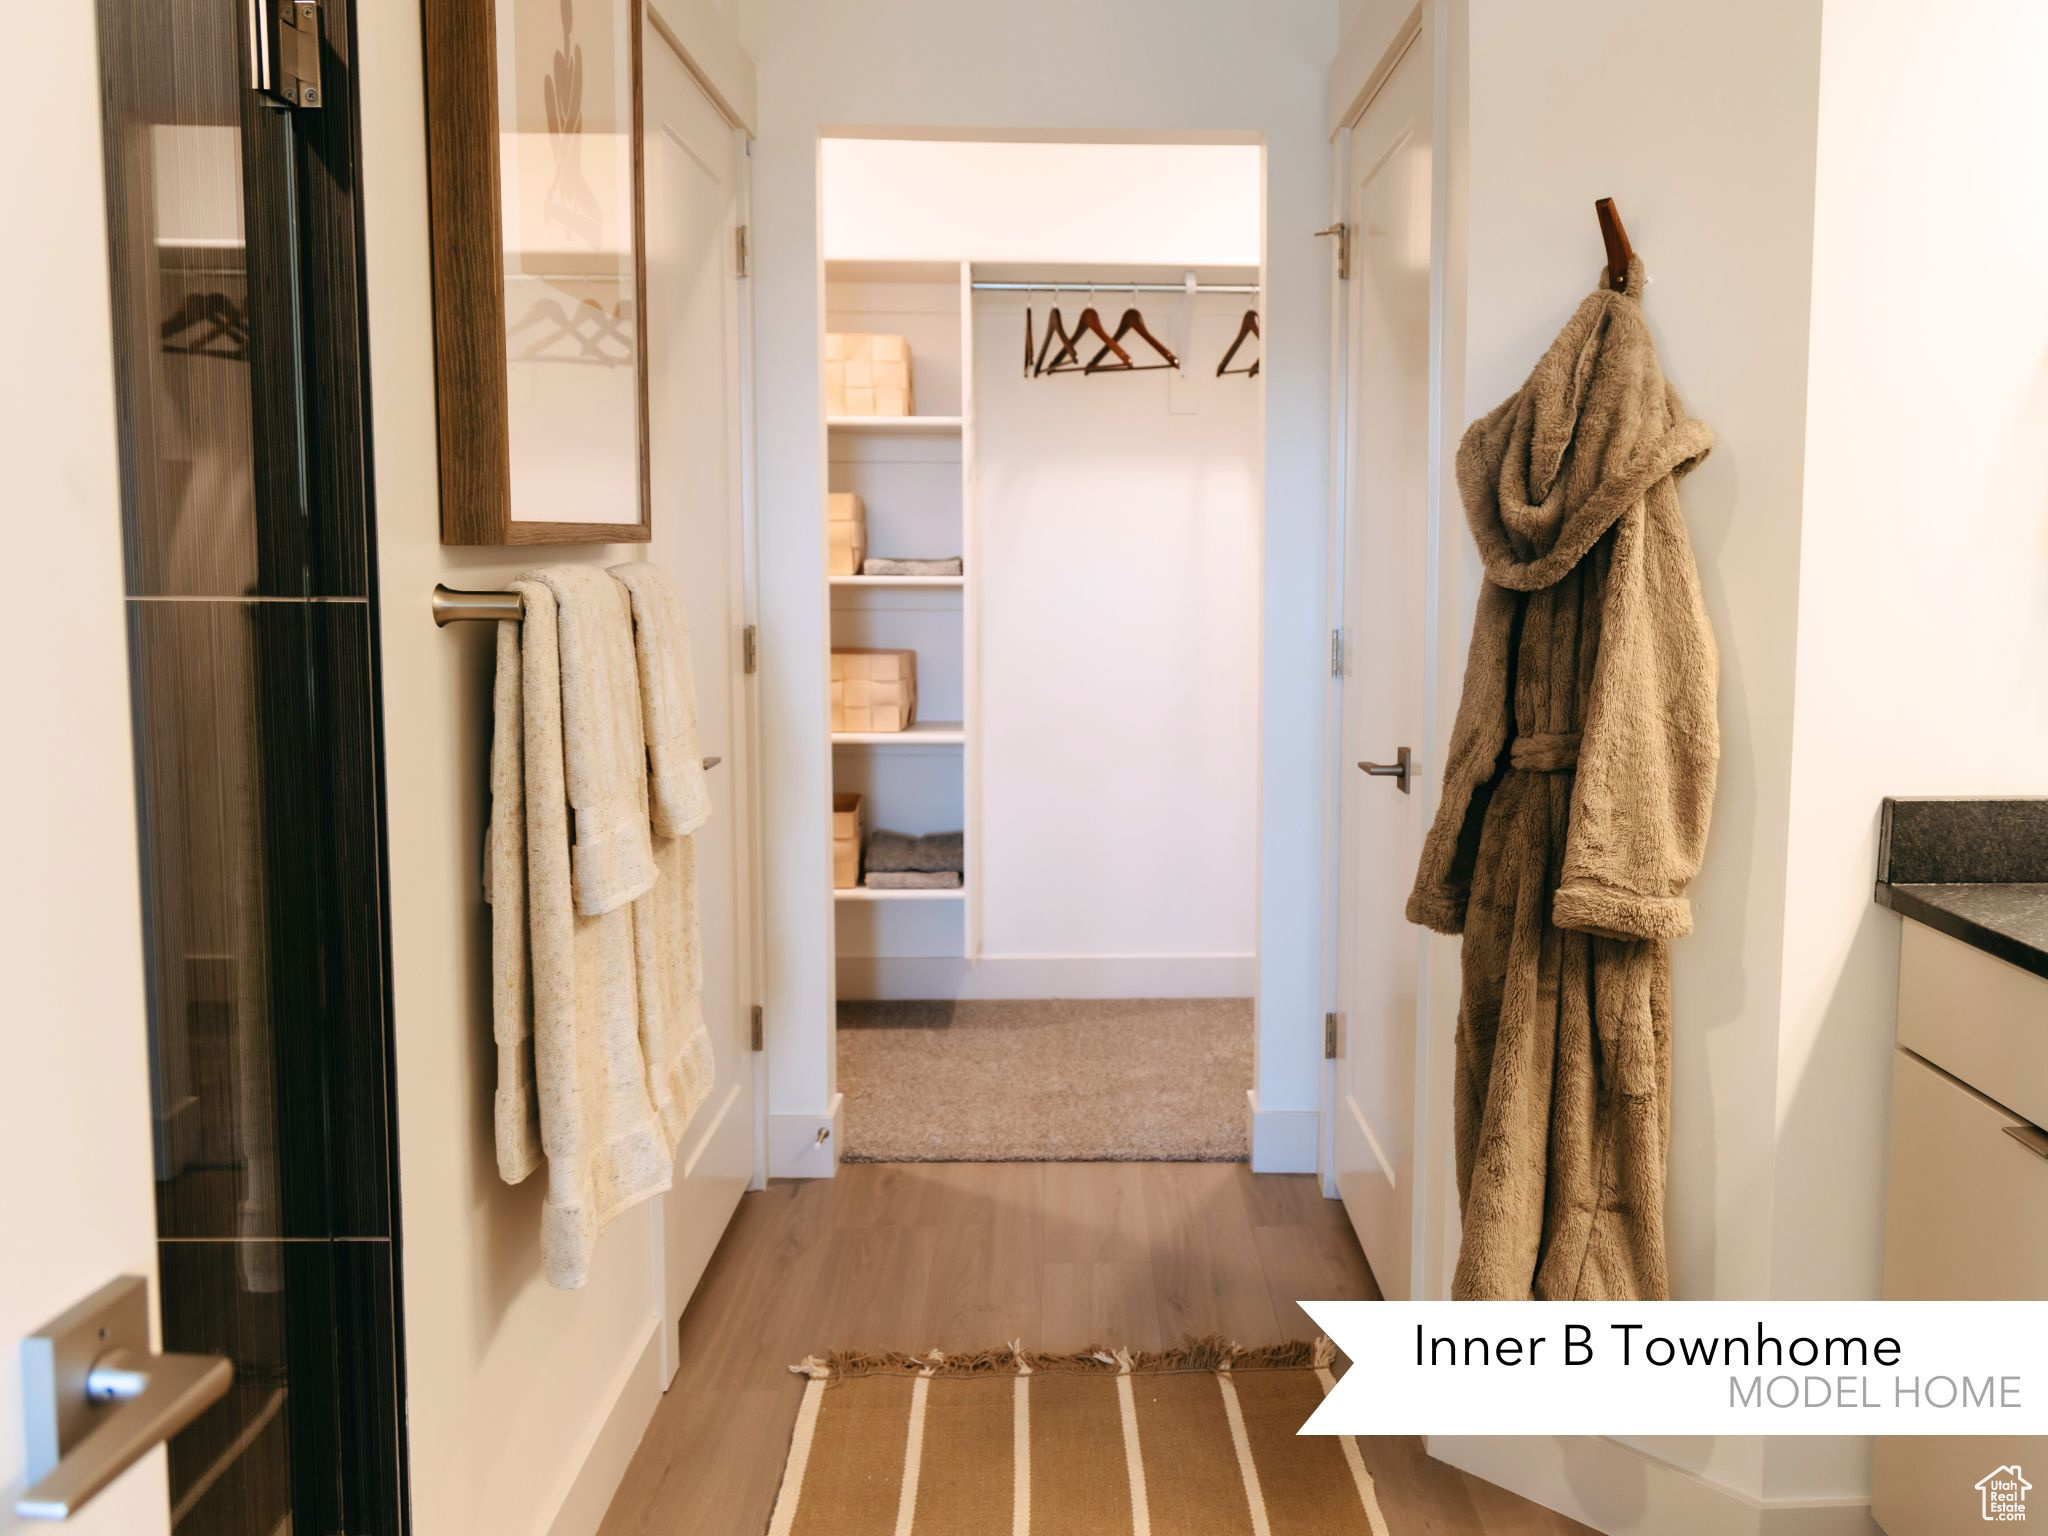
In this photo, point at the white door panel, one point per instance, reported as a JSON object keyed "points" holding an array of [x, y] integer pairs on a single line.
{"points": [[692, 165], [1385, 573]]}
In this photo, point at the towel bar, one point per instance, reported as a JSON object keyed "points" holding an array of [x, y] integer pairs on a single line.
{"points": [[451, 605]]}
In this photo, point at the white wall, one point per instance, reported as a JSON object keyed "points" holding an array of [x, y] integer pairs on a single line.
{"points": [[77, 1190], [509, 1383], [1148, 68], [912, 199], [1120, 630], [1702, 127], [1923, 574]]}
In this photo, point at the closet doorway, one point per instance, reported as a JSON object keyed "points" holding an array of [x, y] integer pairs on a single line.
{"points": [[1042, 537]]}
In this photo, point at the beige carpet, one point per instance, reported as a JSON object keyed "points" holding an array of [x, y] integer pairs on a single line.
{"points": [[1059, 1080], [1197, 1442]]}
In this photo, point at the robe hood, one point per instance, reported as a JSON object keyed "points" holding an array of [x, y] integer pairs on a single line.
{"points": [[1549, 470]]}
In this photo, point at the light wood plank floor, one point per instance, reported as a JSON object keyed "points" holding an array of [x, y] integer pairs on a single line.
{"points": [[962, 1256]]}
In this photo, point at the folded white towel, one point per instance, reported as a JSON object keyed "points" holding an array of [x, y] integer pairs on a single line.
{"points": [[606, 760], [677, 795]]}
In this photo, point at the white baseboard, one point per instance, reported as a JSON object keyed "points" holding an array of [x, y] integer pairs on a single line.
{"points": [[1283, 1140], [794, 1150], [1623, 1491], [1023, 976], [601, 1460]]}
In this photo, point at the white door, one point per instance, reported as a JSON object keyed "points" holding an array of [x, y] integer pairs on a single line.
{"points": [[76, 1180], [693, 303], [1384, 554]]}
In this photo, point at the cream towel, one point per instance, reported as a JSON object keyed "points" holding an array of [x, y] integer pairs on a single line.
{"points": [[575, 727], [604, 755], [677, 794], [673, 1036]]}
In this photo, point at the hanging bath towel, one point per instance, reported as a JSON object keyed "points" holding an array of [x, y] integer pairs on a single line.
{"points": [[673, 1036], [567, 755], [1576, 795]]}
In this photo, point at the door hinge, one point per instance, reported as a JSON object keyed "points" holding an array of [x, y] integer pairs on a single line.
{"points": [[1329, 1037], [750, 650], [754, 1029], [739, 251], [284, 52], [1341, 233], [1336, 653]]}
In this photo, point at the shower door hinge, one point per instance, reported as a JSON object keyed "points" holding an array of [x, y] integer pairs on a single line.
{"points": [[1336, 653], [739, 251], [754, 1028], [1329, 1037], [284, 51], [1341, 233], [750, 650]]}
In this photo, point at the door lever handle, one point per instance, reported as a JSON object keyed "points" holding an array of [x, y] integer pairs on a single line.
{"points": [[2032, 1137], [1397, 770], [98, 1400]]}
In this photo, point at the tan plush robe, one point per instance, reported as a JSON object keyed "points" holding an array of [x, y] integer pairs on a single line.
{"points": [[1576, 797]]}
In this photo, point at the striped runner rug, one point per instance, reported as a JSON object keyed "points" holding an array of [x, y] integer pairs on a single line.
{"points": [[1199, 1441]]}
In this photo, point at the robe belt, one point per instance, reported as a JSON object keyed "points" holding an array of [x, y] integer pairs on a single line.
{"points": [[1545, 753]]}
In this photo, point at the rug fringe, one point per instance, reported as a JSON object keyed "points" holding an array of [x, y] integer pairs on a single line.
{"points": [[1194, 1353]]}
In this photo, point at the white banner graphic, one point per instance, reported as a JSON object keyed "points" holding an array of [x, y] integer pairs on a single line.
{"points": [[1687, 1368]]}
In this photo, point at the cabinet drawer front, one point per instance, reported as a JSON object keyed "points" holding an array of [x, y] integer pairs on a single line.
{"points": [[1966, 1210], [1974, 1015]]}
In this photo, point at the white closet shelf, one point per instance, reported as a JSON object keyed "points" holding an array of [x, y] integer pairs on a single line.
{"points": [[953, 583], [872, 893], [925, 733], [897, 426]]}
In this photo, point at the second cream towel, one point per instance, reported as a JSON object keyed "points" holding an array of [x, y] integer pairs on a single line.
{"points": [[673, 1035]]}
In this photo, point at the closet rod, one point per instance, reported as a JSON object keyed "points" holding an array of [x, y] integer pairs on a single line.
{"points": [[1081, 286]]}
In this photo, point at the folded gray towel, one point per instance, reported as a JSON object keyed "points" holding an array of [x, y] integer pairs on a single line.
{"points": [[935, 852], [913, 879], [875, 565]]}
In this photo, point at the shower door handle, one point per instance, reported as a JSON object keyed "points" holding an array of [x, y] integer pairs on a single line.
{"points": [[1397, 770], [97, 1400]]}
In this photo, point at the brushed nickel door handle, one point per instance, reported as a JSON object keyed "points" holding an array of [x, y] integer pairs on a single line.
{"points": [[1397, 770], [97, 1400]]}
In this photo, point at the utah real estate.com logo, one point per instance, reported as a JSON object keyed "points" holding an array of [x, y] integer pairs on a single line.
{"points": [[2005, 1495]]}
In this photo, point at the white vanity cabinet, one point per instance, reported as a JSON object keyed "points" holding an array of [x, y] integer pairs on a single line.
{"points": [[1967, 1199]]}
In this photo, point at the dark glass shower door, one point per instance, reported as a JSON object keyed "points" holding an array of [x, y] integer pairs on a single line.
{"points": [[233, 243]]}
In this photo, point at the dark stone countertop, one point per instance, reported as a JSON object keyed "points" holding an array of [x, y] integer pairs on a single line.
{"points": [[1976, 870], [2006, 920]]}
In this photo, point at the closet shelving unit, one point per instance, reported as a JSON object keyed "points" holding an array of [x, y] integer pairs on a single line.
{"points": [[915, 474]]}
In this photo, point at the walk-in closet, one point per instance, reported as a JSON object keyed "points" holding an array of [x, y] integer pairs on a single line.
{"points": [[1042, 406]]}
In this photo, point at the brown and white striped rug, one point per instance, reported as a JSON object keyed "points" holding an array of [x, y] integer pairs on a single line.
{"points": [[1199, 1441]]}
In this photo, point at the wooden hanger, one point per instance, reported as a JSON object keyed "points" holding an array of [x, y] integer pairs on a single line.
{"points": [[1029, 353], [1619, 253], [1071, 352], [599, 335], [1133, 321], [227, 327], [1055, 327], [1245, 331]]}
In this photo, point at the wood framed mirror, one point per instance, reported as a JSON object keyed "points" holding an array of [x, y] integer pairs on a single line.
{"points": [[537, 218]]}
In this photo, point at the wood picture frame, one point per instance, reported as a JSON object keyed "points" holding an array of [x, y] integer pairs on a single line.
{"points": [[540, 329]]}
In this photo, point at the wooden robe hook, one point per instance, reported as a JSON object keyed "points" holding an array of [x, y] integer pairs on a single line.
{"points": [[1619, 253]]}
